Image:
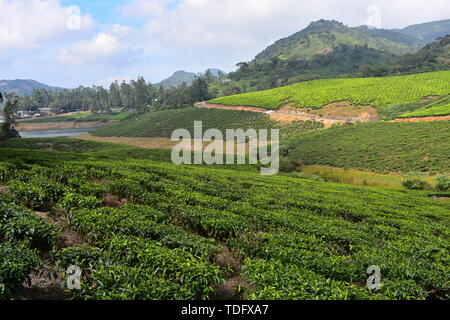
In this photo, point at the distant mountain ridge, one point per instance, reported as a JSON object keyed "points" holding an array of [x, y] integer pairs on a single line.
{"points": [[330, 49], [182, 76], [428, 31], [324, 35], [23, 87]]}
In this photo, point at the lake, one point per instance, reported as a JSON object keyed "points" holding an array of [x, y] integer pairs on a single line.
{"points": [[54, 133]]}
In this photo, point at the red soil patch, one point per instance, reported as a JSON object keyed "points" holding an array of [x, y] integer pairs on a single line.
{"points": [[239, 108], [423, 119]]}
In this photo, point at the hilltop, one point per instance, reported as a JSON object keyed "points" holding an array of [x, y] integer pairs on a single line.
{"points": [[429, 31], [330, 49], [322, 36], [23, 87], [181, 76]]}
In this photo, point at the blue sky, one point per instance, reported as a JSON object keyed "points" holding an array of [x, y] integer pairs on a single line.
{"points": [[107, 40]]}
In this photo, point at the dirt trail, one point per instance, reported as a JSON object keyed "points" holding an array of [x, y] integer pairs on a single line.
{"points": [[423, 119]]}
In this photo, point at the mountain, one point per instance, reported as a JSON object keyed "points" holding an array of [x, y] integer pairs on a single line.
{"points": [[329, 49], [394, 35], [182, 76], [177, 79], [433, 57], [22, 87], [429, 31], [322, 36]]}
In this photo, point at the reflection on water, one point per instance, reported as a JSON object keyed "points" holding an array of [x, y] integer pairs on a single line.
{"points": [[54, 133]]}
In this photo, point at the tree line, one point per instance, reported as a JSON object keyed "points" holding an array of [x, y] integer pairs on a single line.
{"points": [[137, 95]]}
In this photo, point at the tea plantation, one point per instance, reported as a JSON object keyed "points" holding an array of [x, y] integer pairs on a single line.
{"points": [[383, 147], [163, 123], [153, 230], [377, 92], [437, 108]]}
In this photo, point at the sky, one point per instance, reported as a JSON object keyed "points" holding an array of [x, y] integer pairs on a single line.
{"points": [[68, 43]]}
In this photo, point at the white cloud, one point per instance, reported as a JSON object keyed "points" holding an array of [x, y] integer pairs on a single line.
{"points": [[103, 48], [168, 35], [25, 24]]}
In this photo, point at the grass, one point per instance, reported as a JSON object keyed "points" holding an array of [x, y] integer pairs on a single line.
{"points": [[358, 177], [383, 147], [376, 92]]}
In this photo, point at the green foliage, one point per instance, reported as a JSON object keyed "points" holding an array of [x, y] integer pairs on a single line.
{"points": [[383, 147], [377, 92], [443, 183], [16, 263], [163, 123], [416, 184], [440, 107], [297, 239], [19, 224]]}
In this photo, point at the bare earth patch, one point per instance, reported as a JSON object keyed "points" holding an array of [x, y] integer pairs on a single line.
{"points": [[338, 112], [238, 108], [235, 284], [423, 119]]}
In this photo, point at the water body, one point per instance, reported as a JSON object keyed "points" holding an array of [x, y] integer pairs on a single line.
{"points": [[54, 133]]}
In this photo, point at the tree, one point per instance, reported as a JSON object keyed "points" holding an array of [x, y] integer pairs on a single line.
{"points": [[199, 89], [7, 128]]}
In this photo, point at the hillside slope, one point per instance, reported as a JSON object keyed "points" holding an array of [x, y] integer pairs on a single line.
{"points": [[22, 87], [440, 107], [321, 36], [163, 123], [377, 92], [433, 57], [428, 31], [385, 147]]}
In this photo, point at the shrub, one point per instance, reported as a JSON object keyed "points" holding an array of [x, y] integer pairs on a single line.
{"points": [[443, 183], [416, 184]]}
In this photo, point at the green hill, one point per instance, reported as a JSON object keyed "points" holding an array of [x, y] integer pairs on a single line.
{"points": [[385, 147], [377, 92], [433, 57], [163, 123], [429, 31], [180, 77], [322, 36], [177, 79], [22, 87]]}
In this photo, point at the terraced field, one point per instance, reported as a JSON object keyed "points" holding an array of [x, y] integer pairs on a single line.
{"points": [[153, 230], [440, 107], [163, 123], [383, 147], [376, 92]]}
